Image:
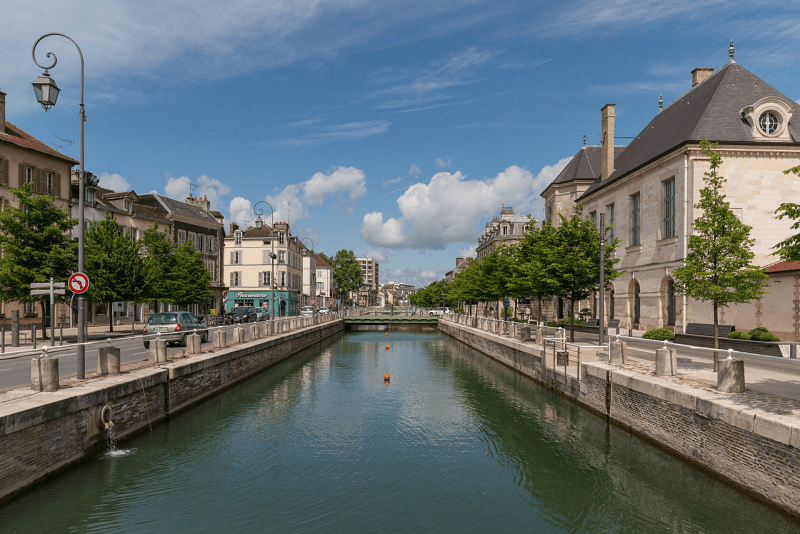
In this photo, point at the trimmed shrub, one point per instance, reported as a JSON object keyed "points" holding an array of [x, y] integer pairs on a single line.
{"points": [[744, 335], [659, 334], [735, 335], [762, 334]]}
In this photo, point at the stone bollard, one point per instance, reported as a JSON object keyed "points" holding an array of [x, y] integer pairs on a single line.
{"points": [[619, 353], [113, 355], [238, 335], [44, 373], [254, 332], [562, 358], [158, 350], [666, 362], [730, 376], [194, 343], [525, 333], [539, 336], [104, 360], [220, 341], [264, 330]]}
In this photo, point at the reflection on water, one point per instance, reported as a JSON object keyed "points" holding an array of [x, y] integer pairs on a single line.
{"points": [[456, 442]]}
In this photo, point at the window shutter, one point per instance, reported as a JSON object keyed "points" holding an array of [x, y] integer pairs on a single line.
{"points": [[3, 171], [21, 175], [57, 185], [233, 261], [233, 274], [40, 182]]}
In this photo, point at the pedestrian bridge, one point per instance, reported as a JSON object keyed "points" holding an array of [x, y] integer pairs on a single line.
{"points": [[388, 322]]}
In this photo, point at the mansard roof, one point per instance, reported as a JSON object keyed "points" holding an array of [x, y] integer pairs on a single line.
{"points": [[585, 165], [712, 109]]}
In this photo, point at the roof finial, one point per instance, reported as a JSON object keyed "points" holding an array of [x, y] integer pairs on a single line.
{"points": [[660, 103], [731, 50], [584, 139]]}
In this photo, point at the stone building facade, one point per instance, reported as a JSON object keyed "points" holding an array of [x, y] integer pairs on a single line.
{"points": [[648, 190]]}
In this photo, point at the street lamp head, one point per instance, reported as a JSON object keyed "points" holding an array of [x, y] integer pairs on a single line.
{"points": [[46, 90], [259, 222]]}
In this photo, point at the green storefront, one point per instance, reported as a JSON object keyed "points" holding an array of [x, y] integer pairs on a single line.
{"points": [[286, 302]]}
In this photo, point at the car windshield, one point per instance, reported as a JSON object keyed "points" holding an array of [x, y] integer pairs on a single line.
{"points": [[307, 308], [240, 311], [163, 318]]}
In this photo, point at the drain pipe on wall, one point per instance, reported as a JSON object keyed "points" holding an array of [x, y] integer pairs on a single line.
{"points": [[685, 227]]}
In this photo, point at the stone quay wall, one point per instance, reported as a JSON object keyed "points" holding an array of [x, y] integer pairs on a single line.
{"points": [[43, 433], [755, 450]]}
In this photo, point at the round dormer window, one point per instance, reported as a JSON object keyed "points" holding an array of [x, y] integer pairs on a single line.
{"points": [[769, 122]]}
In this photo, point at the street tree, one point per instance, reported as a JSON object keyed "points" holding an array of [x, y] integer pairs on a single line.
{"points": [[789, 248], [113, 264], [573, 260], [190, 277], [160, 265], [533, 277], [37, 245], [347, 275], [718, 267]]}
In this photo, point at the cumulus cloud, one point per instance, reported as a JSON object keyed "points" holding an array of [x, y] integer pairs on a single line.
{"points": [[241, 211], [415, 277], [178, 188], [343, 180], [393, 181], [450, 208], [115, 182], [414, 170], [379, 255], [443, 162]]}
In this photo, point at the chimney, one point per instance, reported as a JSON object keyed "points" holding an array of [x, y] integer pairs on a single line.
{"points": [[2, 112], [459, 261], [506, 212], [607, 162], [699, 75], [234, 227]]}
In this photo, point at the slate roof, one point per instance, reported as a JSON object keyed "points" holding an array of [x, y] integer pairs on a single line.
{"points": [[170, 205], [712, 109], [16, 136], [585, 165], [253, 232]]}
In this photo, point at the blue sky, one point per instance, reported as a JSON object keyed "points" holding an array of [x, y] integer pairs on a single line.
{"points": [[395, 129]]}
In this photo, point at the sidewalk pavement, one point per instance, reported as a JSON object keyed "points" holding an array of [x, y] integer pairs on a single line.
{"points": [[70, 336]]}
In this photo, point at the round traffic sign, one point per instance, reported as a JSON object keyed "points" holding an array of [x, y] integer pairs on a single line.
{"points": [[78, 283], [313, 302]]}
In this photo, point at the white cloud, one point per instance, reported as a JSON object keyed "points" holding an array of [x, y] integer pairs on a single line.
{"points": [[287, 204], [393, 181], [415, 277], [443, 162], [309, 233], [343, 180], [414, 170], [336, 132], [178, 188], [241, 211], [450, 208], [115, 182], [379, 255]]}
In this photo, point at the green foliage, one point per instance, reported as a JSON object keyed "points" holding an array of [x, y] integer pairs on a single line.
{"points": [[347, 275], [159, 265], [718, 266], [659, 334], [762, 334], [734, 335], [191, 277], [744, 335], [112, 263]]}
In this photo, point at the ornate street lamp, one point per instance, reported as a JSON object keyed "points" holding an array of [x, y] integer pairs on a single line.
{"points": [[272, 256], [46, 94]]}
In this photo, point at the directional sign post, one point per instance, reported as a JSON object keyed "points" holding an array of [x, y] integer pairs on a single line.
{"points": [[50, 288]]}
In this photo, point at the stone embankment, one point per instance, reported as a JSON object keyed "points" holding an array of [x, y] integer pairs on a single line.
{"points": [[750, 440], [42, 433]]}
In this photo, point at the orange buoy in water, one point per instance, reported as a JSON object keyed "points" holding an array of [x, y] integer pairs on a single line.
{"points": [[387, 347], [386, 377], [387, 333]]}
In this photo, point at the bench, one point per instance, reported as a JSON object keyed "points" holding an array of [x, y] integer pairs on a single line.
{"points": [[593, 322], [703, 329], [613, 323]]}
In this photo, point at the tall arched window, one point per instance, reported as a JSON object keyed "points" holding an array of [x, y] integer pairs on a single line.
{"points": [[636, 303], [670, 302]]}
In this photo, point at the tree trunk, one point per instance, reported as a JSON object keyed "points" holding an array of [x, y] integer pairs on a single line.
{"points": [[716, 339], [110, 317], [516, 306], [571, 321], [540, 311]]}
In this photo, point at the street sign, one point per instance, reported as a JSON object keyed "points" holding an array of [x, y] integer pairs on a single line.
{"points": [[313, 302], [78, 283], [47, 292], [46, 285]]}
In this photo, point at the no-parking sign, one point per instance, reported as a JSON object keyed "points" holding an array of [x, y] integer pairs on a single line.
{"points": [[78, 283]]}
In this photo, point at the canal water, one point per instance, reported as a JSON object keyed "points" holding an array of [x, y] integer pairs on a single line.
{"points": [[454, 443]]}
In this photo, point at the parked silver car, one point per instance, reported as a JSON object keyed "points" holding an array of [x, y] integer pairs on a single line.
{"points": [[173, 327]]}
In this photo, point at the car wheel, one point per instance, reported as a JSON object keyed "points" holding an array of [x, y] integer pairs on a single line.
{"points": [[147, 344]]}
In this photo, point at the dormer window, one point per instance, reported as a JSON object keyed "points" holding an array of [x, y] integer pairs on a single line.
{"points": [[237, 237], [127, 204], [769, 119]]}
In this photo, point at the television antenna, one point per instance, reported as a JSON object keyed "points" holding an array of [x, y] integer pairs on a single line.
{"points": [[61, 145], [192, 187]]}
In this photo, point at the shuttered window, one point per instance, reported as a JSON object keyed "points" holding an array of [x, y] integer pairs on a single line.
{"points": [[236, 278], [669, 208], [236, 257], [635, 220], [3, 171]]}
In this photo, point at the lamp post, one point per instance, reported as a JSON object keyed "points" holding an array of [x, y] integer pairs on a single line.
{"points": [[310, 278], [272, 256], [46, 93]]}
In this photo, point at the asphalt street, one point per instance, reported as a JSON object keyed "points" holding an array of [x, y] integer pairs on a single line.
{"points": [[15, 371]]}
